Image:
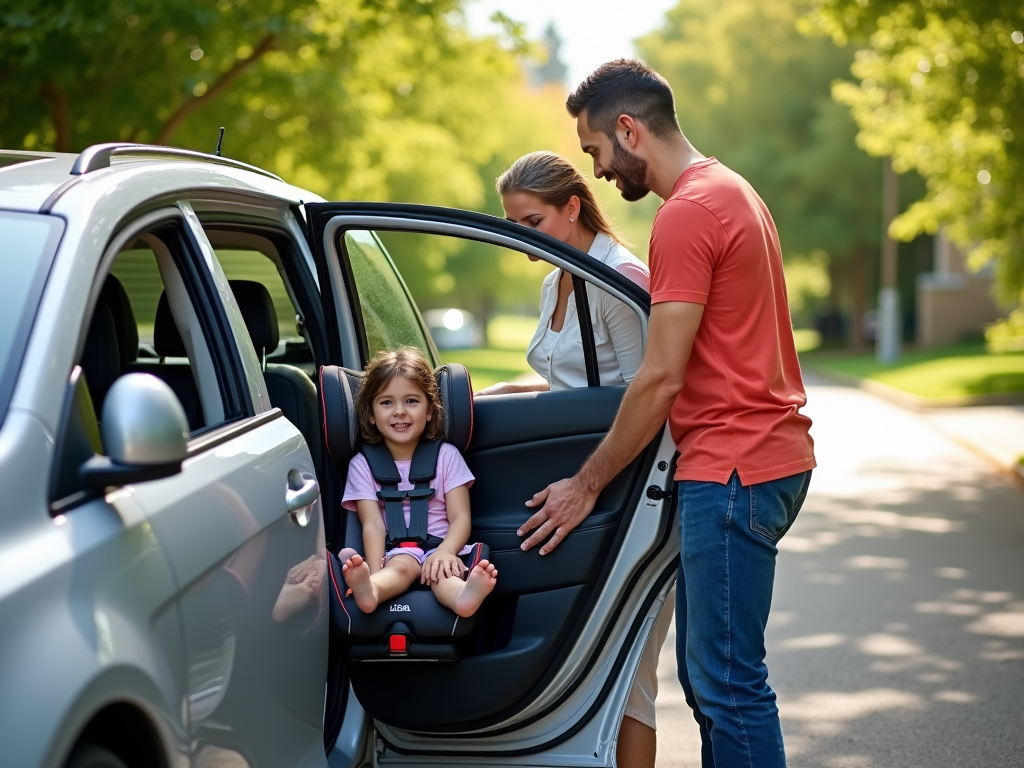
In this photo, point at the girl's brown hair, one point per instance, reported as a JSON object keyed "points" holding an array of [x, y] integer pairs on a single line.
{"points": [[409, 363], [554, 180]]}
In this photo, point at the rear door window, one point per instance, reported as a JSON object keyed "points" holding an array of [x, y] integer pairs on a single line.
{"points": [[389, 317]]}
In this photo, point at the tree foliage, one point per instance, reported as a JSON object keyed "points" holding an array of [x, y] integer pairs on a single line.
{"points": [[940, 89], [353, 99], [754, 92]]}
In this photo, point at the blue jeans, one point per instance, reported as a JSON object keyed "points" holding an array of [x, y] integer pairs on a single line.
{"points": [[729, 536]]}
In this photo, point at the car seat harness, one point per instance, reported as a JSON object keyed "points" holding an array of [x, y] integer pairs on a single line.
{"points": [[422, 470]]}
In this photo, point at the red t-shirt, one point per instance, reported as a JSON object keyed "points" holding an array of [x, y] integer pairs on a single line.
{"points": [[714, 243]]}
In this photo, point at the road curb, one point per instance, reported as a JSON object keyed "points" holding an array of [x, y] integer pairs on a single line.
{"points": [[932, 409]]}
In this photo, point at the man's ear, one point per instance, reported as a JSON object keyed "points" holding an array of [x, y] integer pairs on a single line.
{"points": [[626, 130]]}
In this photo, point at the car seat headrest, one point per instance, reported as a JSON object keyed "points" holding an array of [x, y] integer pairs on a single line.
{"points": [[167, 340], [101, 362], [116, 299], [339, 388], [258, 313]]}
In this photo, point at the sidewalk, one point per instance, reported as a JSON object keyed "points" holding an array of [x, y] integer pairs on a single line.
{"points": [[995, 432]]}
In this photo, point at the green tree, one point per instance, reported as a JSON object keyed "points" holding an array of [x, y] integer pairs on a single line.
{"points": [[353, 99], [940, 89], [754, 92]]}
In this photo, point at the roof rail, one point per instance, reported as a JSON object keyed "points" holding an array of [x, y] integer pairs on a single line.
{"points": [[99, 155]]}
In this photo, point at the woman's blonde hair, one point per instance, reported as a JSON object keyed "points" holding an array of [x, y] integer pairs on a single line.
{"points": [[554, 180], [409, 363]]}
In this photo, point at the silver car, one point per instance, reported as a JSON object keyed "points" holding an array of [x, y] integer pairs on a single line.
{"points": [[166, 496]]}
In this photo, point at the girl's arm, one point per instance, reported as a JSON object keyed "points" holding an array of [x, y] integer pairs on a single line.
{"points": [[459, 524], [374, 532], [444, 561]]}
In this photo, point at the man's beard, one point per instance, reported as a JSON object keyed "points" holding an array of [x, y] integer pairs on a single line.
{"points": [[631, 170]]}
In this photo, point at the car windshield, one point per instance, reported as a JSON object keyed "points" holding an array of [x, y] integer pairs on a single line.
{"points": [[28, 242]]}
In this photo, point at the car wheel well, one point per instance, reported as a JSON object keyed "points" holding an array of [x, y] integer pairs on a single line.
{"points": [[128, 733]]}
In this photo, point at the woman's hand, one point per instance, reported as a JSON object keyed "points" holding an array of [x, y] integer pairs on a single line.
{"points": [[513, 388], [501, 388], [440, 564]]}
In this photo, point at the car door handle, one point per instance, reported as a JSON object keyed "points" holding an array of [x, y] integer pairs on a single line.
{"points": [[299, 500]]}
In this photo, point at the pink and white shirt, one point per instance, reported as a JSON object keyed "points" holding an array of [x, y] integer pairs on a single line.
{"points": [[451, 473]]}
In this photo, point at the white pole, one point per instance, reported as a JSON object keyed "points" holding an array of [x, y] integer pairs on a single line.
{"points": [[889, 329]]}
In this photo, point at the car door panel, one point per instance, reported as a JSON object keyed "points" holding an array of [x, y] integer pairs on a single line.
{"points": [[510, 419], [231, 552]]}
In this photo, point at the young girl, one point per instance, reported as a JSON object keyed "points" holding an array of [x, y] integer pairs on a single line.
{"points": [[399, 405]]}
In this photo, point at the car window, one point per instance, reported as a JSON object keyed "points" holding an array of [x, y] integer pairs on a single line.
{"points": [[137, 271], [496, 311], [27, 245], [389, 317], [256, 267], [487, 330]]}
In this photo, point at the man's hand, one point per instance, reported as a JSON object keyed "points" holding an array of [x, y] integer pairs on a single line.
{"points": [[564, 505]]}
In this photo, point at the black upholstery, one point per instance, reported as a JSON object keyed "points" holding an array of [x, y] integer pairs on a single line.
{"points": [[338, 390], [258, 313], [289, 388], [457, 398], [101, 362], [114, 296], [167, 339], [167, 342]]}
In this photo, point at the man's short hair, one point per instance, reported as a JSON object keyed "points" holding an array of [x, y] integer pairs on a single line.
{"points": [[625, 87]]}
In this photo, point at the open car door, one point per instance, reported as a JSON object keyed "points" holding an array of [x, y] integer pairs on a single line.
{"points": [[548, 668]]}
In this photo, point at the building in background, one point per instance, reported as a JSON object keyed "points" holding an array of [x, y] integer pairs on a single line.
{"points": [[953, 303], [553, 71]]}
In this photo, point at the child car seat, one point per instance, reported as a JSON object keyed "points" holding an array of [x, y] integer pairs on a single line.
{"points": [[412, 626]]}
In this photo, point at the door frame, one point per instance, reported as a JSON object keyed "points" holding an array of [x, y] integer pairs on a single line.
{"points": [[583, 689]]}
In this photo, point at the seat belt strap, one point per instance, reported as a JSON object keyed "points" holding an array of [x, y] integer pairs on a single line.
{"points": [[422, 470], [385, 472]]}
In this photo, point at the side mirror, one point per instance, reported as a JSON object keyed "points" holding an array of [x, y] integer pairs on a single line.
{"points": [[145, 432]]}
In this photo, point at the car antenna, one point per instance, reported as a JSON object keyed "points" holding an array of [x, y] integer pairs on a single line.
{"points": [[220, 140]]}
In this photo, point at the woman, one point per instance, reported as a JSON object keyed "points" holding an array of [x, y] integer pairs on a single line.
{"points": [[547, 193]]}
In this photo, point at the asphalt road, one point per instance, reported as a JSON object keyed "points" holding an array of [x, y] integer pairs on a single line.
{"points": [[897, 631]]}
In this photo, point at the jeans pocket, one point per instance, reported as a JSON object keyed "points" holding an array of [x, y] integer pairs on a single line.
{"points": [[774, 505]]}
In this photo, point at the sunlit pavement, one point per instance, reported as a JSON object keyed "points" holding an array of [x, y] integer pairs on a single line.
{"points": [[897, 633]]}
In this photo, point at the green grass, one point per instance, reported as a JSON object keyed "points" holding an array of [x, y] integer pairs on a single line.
{"points": [[806, 339], [511, 332], [488, 366], [505, 358], [945, 372]]}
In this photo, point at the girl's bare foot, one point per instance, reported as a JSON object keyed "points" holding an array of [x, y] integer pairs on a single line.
{"points": [[479, 584], [357, 576]]}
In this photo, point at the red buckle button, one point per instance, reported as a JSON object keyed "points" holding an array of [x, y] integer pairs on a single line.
{"points": [[398, 644], [409, 545]]}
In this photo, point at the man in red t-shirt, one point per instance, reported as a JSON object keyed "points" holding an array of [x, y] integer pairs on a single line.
{"points": [[721, 367]]}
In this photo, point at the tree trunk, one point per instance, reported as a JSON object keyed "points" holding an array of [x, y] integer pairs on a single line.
{"points": [[60, 112], [215, 90], [860, 286]]}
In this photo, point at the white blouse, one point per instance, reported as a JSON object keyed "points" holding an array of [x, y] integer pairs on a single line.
{"points": [[558, 357]]}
